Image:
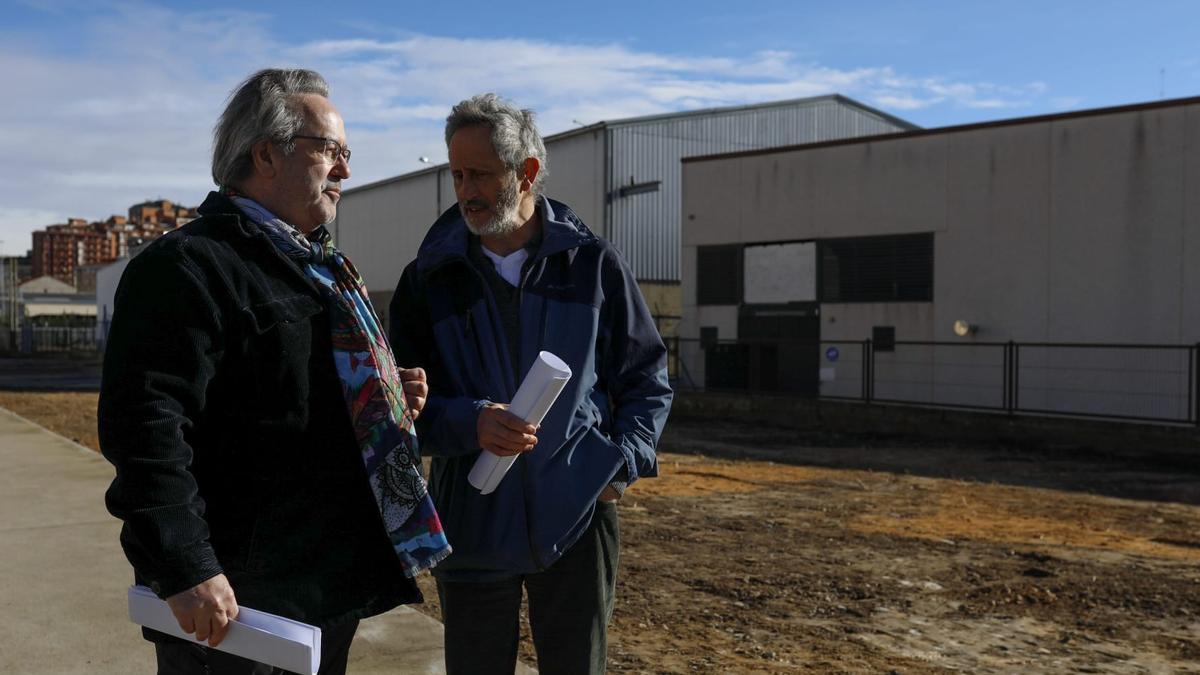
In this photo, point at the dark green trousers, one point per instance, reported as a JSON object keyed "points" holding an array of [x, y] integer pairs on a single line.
{"points": [[570, 605]]}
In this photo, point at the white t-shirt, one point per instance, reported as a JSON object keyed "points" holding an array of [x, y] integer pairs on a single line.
{"points": [[508, 266]]}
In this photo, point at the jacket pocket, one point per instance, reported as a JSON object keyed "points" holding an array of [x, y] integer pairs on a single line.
{"points": [[263, 317], [278, 342]]}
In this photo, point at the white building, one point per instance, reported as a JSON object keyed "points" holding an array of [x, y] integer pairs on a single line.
{"points": [[107, 278], [46, 296], [1072, 228], [622, 177]]}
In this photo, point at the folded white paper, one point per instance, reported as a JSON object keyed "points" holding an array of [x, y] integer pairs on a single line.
{"points": [[267, 638], [541, 386]]}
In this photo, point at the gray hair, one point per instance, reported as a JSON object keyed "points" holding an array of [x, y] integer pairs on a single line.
{"points": [[261, 107], [514, 135]]}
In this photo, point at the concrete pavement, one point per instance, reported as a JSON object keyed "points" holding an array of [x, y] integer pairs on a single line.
{"points": [[63, 577]]}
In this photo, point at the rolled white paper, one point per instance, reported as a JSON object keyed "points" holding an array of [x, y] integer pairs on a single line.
{"points": [[541, 386]]}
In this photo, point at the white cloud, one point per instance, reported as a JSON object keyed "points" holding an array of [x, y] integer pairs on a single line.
{"points": [[120, 119], [899, 101], [16, 226]]}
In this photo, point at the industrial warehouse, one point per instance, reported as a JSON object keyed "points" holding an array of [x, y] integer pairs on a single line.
{"points": [[823, 248], [1035, 265], [621, 177]]}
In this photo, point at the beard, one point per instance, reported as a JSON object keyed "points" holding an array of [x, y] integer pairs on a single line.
{"points": [[506, 209]]}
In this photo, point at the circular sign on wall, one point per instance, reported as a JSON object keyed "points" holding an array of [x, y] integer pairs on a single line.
{"points": [[832, 354]]}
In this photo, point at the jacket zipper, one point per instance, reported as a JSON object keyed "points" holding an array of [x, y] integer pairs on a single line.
{"points": [[529, 511], [525, 501]]}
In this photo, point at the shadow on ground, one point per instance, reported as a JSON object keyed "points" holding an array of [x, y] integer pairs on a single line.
{"points": [[1146, 473], [50, 373]]}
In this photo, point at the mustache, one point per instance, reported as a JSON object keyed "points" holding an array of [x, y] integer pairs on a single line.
{"points": [[475, 203]]}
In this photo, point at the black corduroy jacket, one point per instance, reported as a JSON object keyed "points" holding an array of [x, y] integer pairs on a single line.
{"points": [[222, 411]]}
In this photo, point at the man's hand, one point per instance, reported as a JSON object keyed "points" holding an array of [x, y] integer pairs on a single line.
{"points": [[415, 389], [206, 609], [503, 433]]}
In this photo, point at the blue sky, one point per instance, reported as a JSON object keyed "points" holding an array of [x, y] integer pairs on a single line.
{"points": [[110, 103]]}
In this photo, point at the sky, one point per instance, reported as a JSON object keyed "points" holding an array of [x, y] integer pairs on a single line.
{"points": [[113, 103]]}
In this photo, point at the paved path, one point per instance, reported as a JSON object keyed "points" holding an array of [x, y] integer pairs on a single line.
{"points": [[63, 577]]}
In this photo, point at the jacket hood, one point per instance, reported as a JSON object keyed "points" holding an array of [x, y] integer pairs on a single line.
{"points": [[562, 230]]}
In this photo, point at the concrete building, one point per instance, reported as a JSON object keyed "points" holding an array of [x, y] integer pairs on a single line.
{"points": [[85, 277], [107, 279], [46, 297], [59, 250], [1074, 228], [622, 177], [161, 212], [10, 308]]}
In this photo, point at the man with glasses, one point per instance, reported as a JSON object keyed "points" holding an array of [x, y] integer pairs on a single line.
{"points": [[260, 429]]}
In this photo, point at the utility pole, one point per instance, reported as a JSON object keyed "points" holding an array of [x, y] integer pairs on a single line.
{"points": [[9, 310], [4, 311]]}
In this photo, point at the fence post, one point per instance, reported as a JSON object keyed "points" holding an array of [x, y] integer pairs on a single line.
{"points": [[865, 371], [870, 369], [1008, 377], [1016, 377]]}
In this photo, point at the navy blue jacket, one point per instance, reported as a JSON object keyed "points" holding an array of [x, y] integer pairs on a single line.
{"points": [[580, 301]]}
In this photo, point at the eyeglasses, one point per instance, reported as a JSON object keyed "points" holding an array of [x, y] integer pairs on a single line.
{"points": [[332, 150]]}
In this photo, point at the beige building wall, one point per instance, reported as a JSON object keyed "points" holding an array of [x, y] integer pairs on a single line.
{"points": [[1071, 228], [390, 221], [1074, 229], [576, 176]]}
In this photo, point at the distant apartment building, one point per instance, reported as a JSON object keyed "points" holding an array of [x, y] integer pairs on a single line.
{"points": [[85, 276], [161, 211], [64, 250]]}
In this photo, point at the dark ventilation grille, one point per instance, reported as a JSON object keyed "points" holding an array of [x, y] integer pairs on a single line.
{"points": [[877, 269], [884, 338], [719, 275]]}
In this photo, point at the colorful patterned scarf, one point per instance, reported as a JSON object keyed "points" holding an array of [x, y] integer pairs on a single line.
{"points": [[373, 392]]}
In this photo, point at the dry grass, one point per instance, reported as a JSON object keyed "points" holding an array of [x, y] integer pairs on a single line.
{"points": [[70, 414], [752, 566]]}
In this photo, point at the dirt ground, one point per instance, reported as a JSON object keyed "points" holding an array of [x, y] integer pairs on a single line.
{"points": [[763, 550]]}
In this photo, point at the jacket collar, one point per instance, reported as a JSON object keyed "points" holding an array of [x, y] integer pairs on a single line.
{"points": [[218, 206], [235, 223], [562, 230]]}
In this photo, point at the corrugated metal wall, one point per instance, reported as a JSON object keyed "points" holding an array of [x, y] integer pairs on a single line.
{"points": [[576, 178], [380, 228], [646, 226]]}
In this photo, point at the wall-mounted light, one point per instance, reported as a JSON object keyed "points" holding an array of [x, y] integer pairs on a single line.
{"points": [[638, 188], [963, 328], [424, 160]]}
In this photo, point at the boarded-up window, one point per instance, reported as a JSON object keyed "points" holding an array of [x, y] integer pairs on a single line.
{"points": [[877, 269], [780, 273], [719, 275]]}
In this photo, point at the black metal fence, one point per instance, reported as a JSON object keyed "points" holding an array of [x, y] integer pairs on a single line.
{"points": [[42, 339], [1136, 382]]}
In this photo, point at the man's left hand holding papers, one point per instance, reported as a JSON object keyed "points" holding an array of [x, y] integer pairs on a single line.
{"points": [[206, 609]]}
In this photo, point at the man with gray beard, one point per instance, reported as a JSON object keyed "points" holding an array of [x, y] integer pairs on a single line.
{"points": [[502, 275]]}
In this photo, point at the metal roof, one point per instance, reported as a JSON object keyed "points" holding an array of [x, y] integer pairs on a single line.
{"points": [[700, 112], [974, 126]]}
